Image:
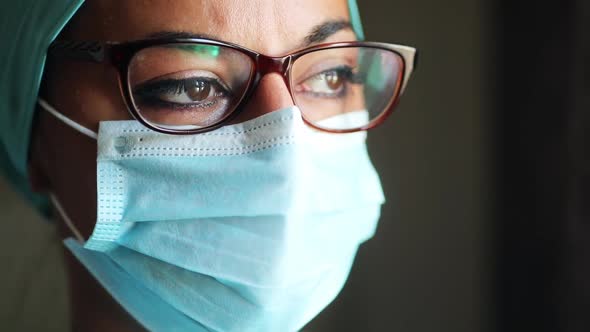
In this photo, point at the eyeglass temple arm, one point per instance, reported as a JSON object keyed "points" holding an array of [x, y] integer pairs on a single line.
{"points": [[411, 56], [78, 50]]}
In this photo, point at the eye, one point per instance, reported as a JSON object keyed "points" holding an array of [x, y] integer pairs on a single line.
{"points": [[329, 83], [190, 91], [183, 93], [198, 91], [333, 80]]}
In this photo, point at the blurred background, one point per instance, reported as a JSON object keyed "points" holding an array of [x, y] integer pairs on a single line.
{"points": [[485, 165]]}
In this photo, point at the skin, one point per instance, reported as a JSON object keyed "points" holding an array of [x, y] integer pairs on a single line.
{"points": [[63, 161]]}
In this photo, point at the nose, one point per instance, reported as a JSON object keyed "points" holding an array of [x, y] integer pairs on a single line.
{"points": [[271, 94]]}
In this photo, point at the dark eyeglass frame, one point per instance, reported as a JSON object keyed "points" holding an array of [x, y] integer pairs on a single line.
{"points": [[120, 55]]}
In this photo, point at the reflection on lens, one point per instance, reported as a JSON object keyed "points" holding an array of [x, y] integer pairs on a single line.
{"points": [[346, 120], [331, 83], [188, 86]]}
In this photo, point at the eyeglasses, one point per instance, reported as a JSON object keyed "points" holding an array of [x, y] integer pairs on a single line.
{"points": [[190, 86]]}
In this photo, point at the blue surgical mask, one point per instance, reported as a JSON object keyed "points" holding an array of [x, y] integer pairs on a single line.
{"points": [[251, 227]]}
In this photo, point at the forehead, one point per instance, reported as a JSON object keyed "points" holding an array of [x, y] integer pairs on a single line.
{"points": [[268, 26]]}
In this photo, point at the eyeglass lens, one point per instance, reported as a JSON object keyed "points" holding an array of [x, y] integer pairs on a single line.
{"points": [[192, 86]]}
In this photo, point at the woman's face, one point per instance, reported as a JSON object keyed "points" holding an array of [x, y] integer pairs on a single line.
{"points": [[64, 161]]}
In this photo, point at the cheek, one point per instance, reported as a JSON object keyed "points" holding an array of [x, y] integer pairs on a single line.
{"points": [[87, 93], [69, 162]]}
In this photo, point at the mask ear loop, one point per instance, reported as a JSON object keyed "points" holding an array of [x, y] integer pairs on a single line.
{"points": [[66, 219], [83, 130]]}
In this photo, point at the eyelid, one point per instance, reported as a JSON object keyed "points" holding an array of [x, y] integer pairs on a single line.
{"points": [[337, 68], [326, 64], [153, 83], [155, 98], [180, 75]]}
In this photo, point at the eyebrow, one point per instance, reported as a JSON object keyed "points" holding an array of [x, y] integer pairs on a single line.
{"points": [[323, 31], [318, 33]]}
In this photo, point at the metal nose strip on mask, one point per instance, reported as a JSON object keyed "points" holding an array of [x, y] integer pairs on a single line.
{"points": [[78, 127]]}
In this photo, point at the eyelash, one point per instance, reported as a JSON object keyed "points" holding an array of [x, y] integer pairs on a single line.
{"points": [[349, 75], [148, 92]]}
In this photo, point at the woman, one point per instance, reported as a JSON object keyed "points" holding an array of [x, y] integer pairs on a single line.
{"points": [[208, 157]]}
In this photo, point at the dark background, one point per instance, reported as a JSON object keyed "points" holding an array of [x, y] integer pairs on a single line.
{"points": [[430, 266], [486, 169]]}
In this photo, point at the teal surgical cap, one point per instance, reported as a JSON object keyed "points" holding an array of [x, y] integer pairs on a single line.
{"points": [[27, 27]]}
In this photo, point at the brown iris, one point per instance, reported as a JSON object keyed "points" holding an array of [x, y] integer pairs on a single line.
{"points": [[198, 91], [333, 80]]}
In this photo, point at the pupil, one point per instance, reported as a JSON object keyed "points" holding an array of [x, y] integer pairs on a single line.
{"points": [[198, 91], [333, 80]]}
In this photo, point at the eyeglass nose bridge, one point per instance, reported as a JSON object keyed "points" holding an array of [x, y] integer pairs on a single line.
{"points": [[266, 65]]}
